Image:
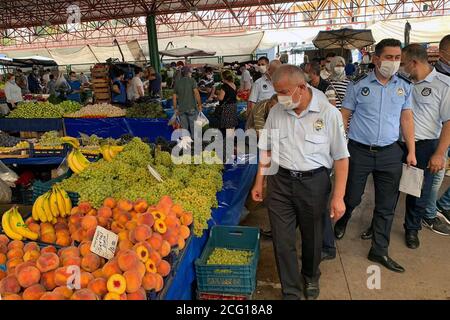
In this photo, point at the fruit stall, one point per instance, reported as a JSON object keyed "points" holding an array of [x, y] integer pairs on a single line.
{"points": [[129, 234]]}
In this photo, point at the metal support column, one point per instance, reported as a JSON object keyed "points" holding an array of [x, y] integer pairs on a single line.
{"points": [[153, 42]]}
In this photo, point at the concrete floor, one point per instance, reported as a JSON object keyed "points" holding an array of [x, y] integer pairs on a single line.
{"points": [[427, 273]]}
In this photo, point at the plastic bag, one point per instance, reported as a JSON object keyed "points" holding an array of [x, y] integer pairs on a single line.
{"points": [[63, 168], [202, 120], [7, 175], [175, 122], [5, 192]]}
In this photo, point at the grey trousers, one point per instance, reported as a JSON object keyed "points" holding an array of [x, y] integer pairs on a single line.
{"points": [[187, 120], [297, 202]]}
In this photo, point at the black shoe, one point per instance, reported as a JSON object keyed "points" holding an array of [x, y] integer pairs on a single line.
{"points": [[367, 235], [412, 239], [266, 233], [445, 214], [312, 290], [339, 229], [387, 262], [437, 226], [328, 256]]}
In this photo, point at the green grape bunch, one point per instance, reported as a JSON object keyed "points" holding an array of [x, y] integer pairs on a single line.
{"points": [[231, 257]]}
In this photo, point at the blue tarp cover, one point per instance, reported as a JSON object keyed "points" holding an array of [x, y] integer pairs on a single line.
{"points": [[41, 125]]}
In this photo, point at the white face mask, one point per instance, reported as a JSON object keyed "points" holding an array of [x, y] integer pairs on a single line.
{"points": [[262, 69], [389, 68], [339, 70], [287, 102]]}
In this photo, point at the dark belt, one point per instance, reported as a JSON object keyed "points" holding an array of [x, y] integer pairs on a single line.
{"points": [[420, 142], [371, 148], [301, 174]]}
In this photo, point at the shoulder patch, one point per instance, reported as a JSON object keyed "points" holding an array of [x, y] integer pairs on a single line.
{"points": [[403, 77], [359, 78]]}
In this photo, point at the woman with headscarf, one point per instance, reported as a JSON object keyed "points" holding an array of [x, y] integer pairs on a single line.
{"points": [[338, 82]]}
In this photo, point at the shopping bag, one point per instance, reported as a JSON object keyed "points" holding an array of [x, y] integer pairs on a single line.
{"points": [[202, 120]]}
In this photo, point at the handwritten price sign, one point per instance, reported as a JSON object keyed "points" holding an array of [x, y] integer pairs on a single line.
{"points": [[104, 243]]}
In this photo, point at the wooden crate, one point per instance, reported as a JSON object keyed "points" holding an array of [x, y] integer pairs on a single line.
{"points": [[102, 96]]}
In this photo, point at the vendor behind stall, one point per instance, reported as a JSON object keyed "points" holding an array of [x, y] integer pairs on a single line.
{"points": [[13, 92], [154, 82], [75, 86], [34, 83], [119, 91]]}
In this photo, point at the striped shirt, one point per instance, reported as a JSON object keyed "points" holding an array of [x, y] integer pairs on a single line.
{"points": [[258, 116], [339, 88]]}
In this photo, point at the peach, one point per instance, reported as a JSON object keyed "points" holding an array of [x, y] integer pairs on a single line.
{"points": [[123, 218], [142, 253], [110, 203], [115, 213], [132, 236], [181, 243], [147, 219], [111, 267], [60, 277], [142, 232], [47, 262], [134, 215], [34, 227], [172, 240], [133, 280], [15, 244], [92, 212], [89, 236], [83, 294], [165, 204], [85, 278], [47, 227], [187, 219], [14, 253], [88, 222], [141, 268], [123, 235], [60, 226], [164, 251], [2, 274], [52, 296], [104, 212], [125, 245], [75, 218], [112, 296], [65, 291], [85, 247], [48, 237], [62, 233], [116, 284], [3, 248], [160, 226], [159, 282], [4, 239], [90, 262], [28, 276], [11, 264], [130, 225], [140, 206], [124, 205], [158, 215], [98, 274], [84, 207], [150, 266], [69, 252], [155, 241], [9, 284], [98, 286], [177, 209], [155, 256], [185, 232], [48, 280], [149, 281], [48, 249], [71, 261], [164, 268], [21, 266], [12, 297], [33, 292], [116, 227], [138, 295], [3, 258], [127, 260], [63, 241], [172, 222], [31, 246], [104, 222]]}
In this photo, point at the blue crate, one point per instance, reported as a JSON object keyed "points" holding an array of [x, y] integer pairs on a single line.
{"points": [[229, 278]]}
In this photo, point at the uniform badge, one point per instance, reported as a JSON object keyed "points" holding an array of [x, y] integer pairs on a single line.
{"points": [[400, 92], [365, 91], [264, 86], [426, 92], [318, 125]]}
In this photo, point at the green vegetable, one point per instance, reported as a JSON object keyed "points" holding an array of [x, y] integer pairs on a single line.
{"points": [[146, 110]]}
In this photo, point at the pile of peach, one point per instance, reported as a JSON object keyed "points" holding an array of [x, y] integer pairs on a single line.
{"points": [[48, 233]]}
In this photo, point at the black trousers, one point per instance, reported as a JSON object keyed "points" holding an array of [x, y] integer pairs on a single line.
{"points": [[416, 207], [386, 168], [297, 202]]}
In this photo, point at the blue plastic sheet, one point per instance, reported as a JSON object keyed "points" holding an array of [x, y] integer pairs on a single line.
{"points": [[40, 125], [116, 127], [238, 180]]}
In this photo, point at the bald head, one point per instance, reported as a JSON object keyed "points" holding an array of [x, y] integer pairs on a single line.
{"points": [[293, 74], [273, 66]]}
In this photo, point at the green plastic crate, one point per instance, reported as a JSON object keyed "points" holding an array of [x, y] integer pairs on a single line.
{"points": [[39, 188], [229, 278]]}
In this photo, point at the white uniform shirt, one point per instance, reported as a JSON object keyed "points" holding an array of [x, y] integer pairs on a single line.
{"points": [[132, 91], [13, 93], [308, 141], [262, 89], [431, 105]]}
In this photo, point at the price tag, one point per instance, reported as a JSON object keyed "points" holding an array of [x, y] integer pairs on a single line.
{"points": [[104, 243]]}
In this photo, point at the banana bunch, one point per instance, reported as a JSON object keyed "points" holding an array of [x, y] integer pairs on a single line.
{"points": [[109, 152], [14, 226], [74, 142], [77, 161], [52, 204]]}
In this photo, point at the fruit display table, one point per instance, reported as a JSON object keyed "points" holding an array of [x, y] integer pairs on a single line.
{"points": [[237, 182]]}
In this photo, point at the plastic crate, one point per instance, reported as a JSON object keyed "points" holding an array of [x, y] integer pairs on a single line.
{"points": [[222, 296], [39, 188], [41, 153], [229, 278]]}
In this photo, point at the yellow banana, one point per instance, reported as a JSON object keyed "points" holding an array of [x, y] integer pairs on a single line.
{"points": [[106, 153], [73, 163], [67, 202], [117, 149], [54, 204], [46, 207], [72, 141], [34, 212], [40, 208], [81, 159], [7, 227], [60, 201], [19, 226]]}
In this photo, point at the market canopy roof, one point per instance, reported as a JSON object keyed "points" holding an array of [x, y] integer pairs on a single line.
{"points": [[27, 62], [186, 52], [344, 38]]}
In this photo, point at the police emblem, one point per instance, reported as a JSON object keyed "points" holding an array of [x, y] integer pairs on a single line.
{"points": [[318, 125], [264, 86], [400, 92], [426, 92], [365, 91]]}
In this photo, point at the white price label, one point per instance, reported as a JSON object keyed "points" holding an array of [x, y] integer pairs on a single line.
{"points": [[104, 243]]}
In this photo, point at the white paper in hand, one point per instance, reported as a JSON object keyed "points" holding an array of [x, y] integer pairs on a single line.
{"points": [[411, 181], [104, 243], [155, 173]]}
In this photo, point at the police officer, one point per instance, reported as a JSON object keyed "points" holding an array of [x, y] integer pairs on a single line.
{"points": [[262, 88], [305, 137], [431, 107], [379, 103]]}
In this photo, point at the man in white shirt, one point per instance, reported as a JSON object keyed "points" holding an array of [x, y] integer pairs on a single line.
{"points": [[13, 92], [136, 87], [263, 89]]}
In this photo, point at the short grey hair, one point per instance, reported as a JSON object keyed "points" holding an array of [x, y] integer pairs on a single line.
{"points": [[293, 73]]}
